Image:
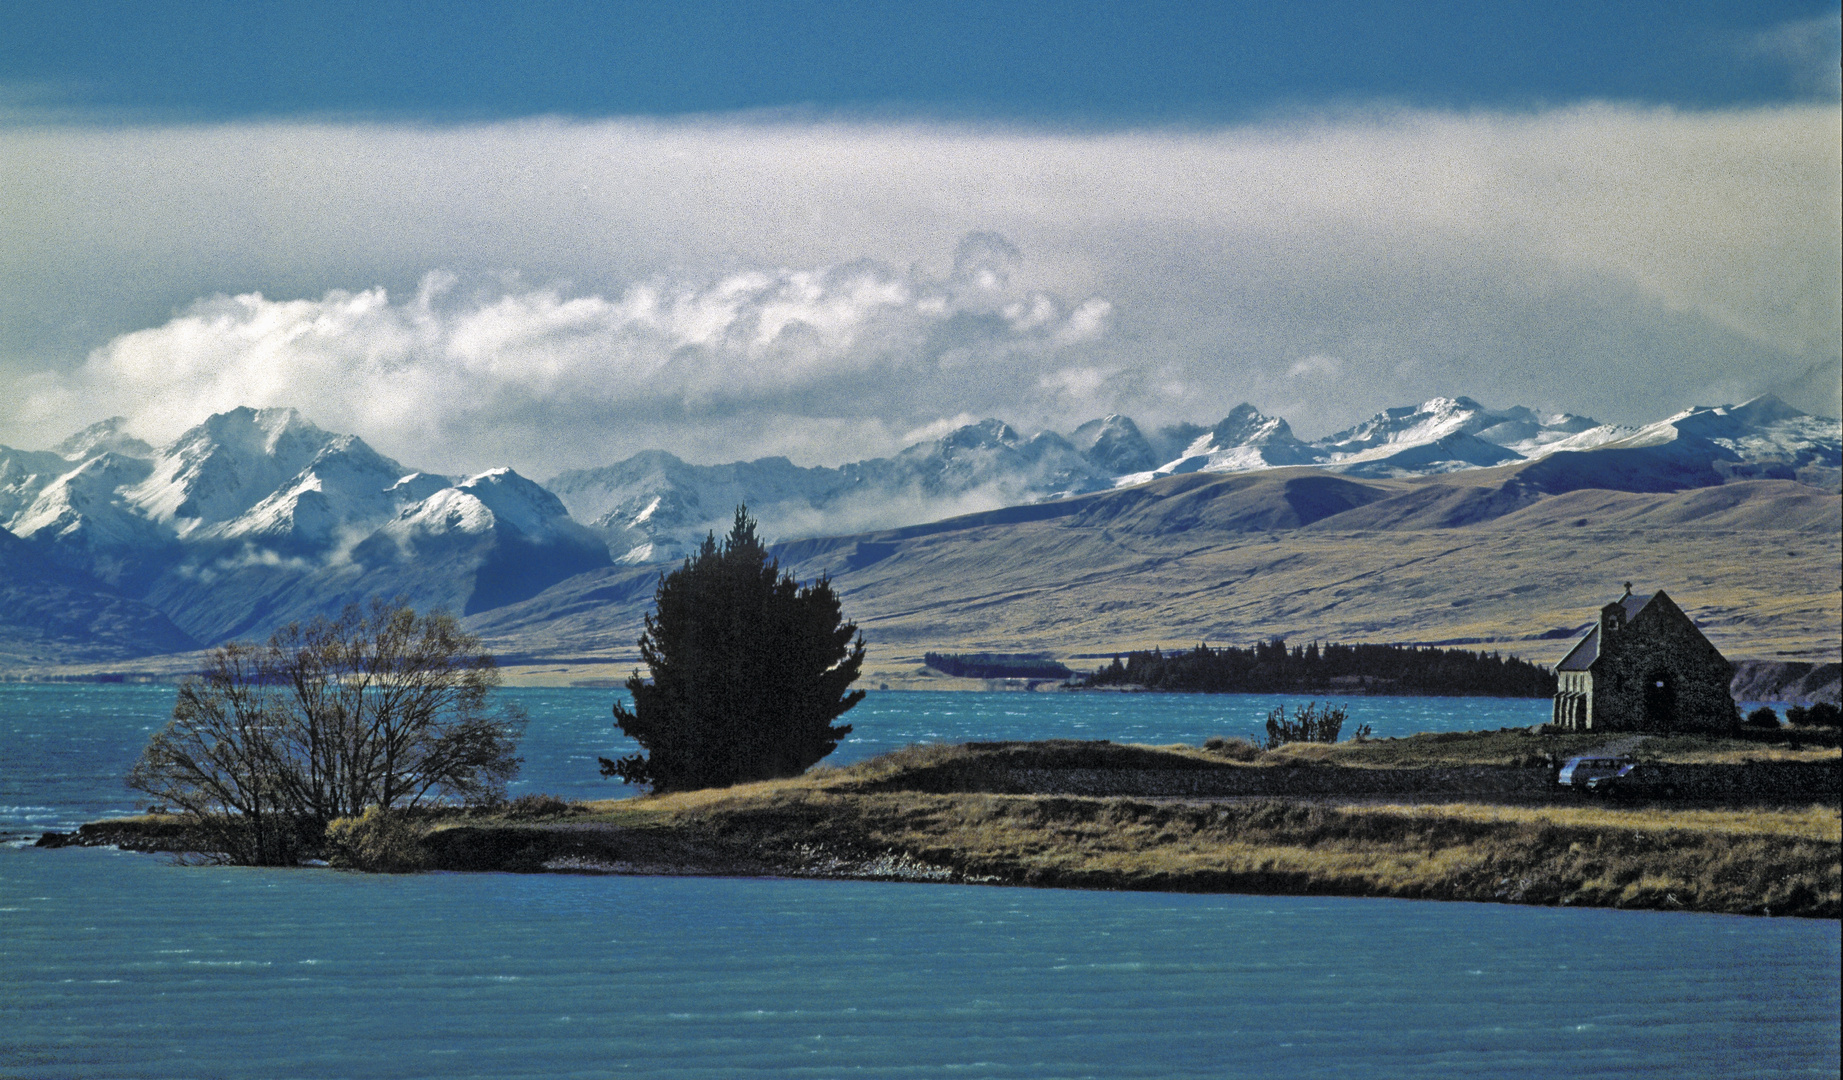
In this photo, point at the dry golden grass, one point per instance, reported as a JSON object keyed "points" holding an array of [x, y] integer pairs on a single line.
{"points": [[861, 821], [1784, 860], [1742, 755], [1816, 822], [1521, 747]]}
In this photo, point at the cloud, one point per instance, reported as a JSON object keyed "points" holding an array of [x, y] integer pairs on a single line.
{"points": [[1809, 49], [1318, 365], [550, 379], [553, 294]]}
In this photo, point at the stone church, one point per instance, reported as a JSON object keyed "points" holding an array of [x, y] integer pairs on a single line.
{"points": [[1645, 667]]}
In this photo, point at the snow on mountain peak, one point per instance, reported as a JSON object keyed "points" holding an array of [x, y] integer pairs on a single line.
{"points": [[417, 486], [1766, 409], [1763, 430], [103, 436], [222, 467], [985, 433], [86, 501], [1248, 426], [518, 503], [1115, 444], [347, 486], [448, 510], [1244, 440]]}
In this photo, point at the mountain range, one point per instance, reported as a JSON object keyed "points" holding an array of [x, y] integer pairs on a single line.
{"points": [[114, 548], [652, 506]]}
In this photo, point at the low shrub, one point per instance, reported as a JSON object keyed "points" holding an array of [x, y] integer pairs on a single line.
{"points": [[1309, 723], [1763, 717], [1823, 714], [1233, 749], [377, 840], [526, 807]]}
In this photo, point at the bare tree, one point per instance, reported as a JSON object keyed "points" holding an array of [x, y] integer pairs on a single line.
{"points": [[220, 759], [380, 708]]}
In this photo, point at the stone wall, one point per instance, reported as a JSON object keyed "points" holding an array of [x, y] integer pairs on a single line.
{"points": [[1660, 644], [1761, 782]]}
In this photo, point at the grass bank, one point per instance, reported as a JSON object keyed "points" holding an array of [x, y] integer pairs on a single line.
{"points": [[870, 821]]}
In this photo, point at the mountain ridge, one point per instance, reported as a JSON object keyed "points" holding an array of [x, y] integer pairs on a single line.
{"points": [[662, 506], [1479, 559], [255, 518]]}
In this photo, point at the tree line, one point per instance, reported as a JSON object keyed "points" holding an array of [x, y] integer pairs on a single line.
{"points": [[997, 665], [1376, 669]]}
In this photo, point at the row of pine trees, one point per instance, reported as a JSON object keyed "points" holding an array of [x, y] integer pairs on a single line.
{"points": [[1271, 666]]}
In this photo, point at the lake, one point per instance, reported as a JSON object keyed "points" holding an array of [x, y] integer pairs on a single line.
{"points": [[65, 747], [119, 965]]}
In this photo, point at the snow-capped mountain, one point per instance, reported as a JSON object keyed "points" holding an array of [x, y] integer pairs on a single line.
{"points": [[103, 435], [225, 466], [345, 487], [255, 518], [1763, 439], [655, 507], [1440, 435], [1764, 431], [83, 520], [1517, 429], [1245, 439], [25, 473]]}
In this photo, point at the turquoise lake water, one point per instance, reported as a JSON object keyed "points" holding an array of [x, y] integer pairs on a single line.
{"points": [[65, 748], [119, 965]]}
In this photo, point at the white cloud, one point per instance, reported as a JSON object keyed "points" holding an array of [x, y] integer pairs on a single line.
{"points": [[937, 428], [1081, 384], [727, 289], [529, 372], [1316, 365], [1810, 49]]}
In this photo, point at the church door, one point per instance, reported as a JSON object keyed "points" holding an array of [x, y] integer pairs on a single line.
{"points": [[1660, 701]]}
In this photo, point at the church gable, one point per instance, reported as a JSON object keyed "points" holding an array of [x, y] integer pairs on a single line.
{"points": [[1645, 667]]}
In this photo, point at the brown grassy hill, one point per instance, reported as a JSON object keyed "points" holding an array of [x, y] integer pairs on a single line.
{"points": [[1486, 558]]}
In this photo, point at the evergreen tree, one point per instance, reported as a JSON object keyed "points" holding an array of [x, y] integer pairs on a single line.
{"points": [[750, 669]]}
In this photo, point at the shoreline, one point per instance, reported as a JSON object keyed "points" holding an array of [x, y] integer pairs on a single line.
{"points": [[1761, 680], [1041, 815], [1561, 865]]}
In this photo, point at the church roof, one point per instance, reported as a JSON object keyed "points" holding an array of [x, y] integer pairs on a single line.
{"points": [[1584, 653], [1635, 604], [1587, 650]]}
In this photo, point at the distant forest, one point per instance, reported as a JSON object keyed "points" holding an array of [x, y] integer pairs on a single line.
{"points": [[1349, 669], [997, 665]]}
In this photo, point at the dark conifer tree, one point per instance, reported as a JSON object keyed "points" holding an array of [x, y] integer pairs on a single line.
{"points": [[750, 668], [1270, 665]]}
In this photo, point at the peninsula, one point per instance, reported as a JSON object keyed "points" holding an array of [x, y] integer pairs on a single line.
{"points": [[1456, 816]]}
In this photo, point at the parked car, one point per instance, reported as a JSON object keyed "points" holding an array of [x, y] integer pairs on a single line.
{"points": [[1577, 771], [1639, 780]]}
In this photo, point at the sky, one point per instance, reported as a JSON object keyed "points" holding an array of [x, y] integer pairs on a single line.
{"points": [[554, 235]]}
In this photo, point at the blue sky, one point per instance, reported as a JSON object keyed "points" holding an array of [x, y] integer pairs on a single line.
{"points": [[557, 238], [1077, 62]]}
